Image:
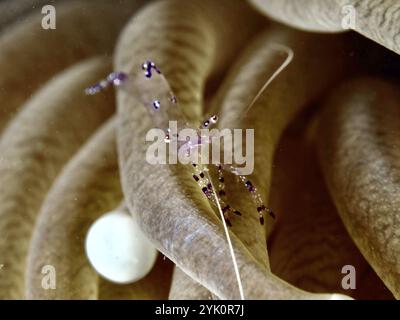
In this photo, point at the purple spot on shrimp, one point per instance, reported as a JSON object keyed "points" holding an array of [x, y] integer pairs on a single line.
{"points": [[117, 78], [148, 66], [156, 104]]}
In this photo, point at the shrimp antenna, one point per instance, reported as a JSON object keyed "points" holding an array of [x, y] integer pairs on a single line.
{"points": [[288, 60], [228, 238]]}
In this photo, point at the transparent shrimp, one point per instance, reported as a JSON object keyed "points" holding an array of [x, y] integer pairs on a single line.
{"points": [[150, 86]]}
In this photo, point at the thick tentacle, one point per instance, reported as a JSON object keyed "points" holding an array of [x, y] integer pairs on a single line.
{"points": [[376, 20], [30, 55], [359, 152], [40, 140], [310, 246]]}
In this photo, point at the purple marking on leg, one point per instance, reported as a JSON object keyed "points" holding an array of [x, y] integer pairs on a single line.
{"points": [[117, 78], [148, 66]]}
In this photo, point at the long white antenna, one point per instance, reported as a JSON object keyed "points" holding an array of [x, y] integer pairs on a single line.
{"points": [[289, 59], [235, 266]]}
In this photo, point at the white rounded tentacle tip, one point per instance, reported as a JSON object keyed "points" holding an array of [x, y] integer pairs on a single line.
{"points": [[117, 248], [338, 296]]}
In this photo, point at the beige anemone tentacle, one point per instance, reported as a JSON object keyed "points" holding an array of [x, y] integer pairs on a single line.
{"points": [[184, 287], [359, 151], [44, 135], [170, 208], [76, 199], [376, 20], [86, 188], [312, 15], [155, 286], [30, 55], [12, 10], [310, 246]]}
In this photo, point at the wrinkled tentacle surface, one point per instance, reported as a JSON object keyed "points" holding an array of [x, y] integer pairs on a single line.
{"points": [[376, 20], [25, 46], [359, 151], [87, 187], [310, 246], [69, 210], [12, 10], [33, 155], [184, 287]]}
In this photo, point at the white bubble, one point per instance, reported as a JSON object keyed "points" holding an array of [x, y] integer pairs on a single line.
{"points": [[117, 248], [338, 296]]}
